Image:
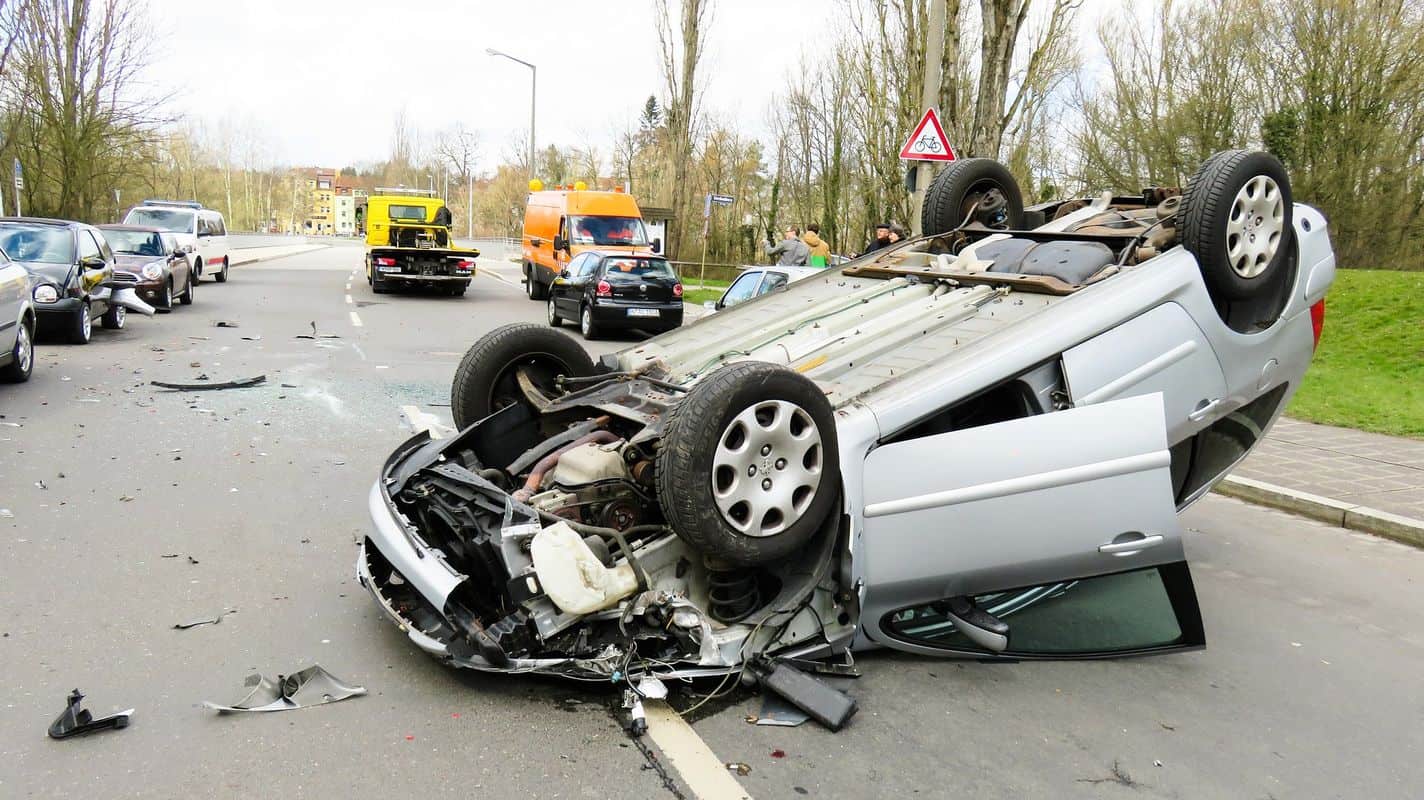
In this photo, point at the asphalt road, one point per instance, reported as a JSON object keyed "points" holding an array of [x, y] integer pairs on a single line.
{"points": [[157, 507]]}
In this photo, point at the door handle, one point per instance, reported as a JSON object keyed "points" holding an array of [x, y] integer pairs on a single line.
{"points": [[1116, 548], [1203, 410]]}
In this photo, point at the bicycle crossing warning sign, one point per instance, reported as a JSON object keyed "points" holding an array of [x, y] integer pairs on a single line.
{"points": [[928, 142]]}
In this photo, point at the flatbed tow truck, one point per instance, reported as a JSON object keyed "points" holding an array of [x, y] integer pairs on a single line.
{"points": [[408, 243]]}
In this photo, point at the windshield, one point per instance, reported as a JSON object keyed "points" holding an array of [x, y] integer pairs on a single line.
{"points": [[608, 231], [633, 270], [44, 245], [135, 243], [407, 213], [162, 218]]}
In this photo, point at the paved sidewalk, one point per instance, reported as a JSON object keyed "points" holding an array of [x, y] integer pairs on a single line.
{"points": [[1364, 481], [249, 255]]}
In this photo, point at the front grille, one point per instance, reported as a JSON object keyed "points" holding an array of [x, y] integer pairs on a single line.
{"points": [[124, 277]]}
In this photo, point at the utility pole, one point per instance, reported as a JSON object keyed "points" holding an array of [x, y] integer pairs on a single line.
{"points": [[470, 207], [929, 96]]}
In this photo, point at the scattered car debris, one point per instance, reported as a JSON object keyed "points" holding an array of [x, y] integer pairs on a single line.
{"points": [[252, 338], [195, 364], [75, 720], [309, 687], [739, 767], [828, 706], [40, 485], [241, 383], [224, 323], [125, 498], [183, 626]]}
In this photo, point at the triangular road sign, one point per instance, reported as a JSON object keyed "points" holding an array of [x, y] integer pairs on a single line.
{"points": [[928, 142]]}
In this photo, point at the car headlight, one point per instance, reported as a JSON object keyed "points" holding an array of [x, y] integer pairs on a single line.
{"points": [[46, 293], [153, 271]]}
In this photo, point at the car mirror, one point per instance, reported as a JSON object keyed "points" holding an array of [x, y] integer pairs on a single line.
{"points": [[92, 262], [560, 243], [710, 305], [657, 245]]}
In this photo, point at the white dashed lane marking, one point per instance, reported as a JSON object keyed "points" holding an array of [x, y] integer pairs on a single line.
{"points": [[355, 320]]}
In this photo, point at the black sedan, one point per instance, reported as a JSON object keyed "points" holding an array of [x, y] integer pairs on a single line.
{"points": [[70, 265], [616, 290], [154, 261]]}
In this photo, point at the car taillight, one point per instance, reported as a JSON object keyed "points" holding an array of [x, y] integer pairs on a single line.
{"points": [[677, 290], [385, 262], [1317, 320], [604, 290], [465, 266]]}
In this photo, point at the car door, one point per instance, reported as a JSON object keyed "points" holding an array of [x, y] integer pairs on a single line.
{"points": [[177, 264], [1047, 536], [217, 240], [742, 289], [568, 291], [206, 249], [93, 268]]}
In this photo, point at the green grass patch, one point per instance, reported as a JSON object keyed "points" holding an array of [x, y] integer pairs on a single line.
{"points": [[697, 297], [1369, 370]]}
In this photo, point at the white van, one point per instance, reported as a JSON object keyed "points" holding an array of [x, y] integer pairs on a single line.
{"points": [[201, 231]]}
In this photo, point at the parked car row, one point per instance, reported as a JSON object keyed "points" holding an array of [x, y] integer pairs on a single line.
{"points": [[59, 277]]}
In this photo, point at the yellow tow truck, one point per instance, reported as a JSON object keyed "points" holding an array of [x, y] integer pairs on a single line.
{"points": [[408, 243]]}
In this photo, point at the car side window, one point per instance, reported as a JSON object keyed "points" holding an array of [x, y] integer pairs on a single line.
{"points": [[576, 264], [589, 266], [774, 281], [88, 248], [742, 289], [219, 227], [203, 228]]}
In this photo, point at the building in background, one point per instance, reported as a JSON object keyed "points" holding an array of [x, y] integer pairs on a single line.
{"points": [[321, 189], [343, 211]]}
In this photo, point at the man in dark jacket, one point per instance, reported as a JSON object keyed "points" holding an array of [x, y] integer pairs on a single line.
{"points": [[791, 251], [882, 238]]}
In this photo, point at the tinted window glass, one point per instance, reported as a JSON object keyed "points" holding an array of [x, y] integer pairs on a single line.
{"points": [[743, 288], [135, 243], [774, 281], [407, 213], [583, 265], [45, 245], [633, 270], [167, 219], [104, 249], [1113, 613], [608, 231]]}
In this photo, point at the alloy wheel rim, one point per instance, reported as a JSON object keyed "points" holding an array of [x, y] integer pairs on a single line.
{"points": [[24, 349], [767, 467], [120, 314], [1255, 226], [86, 325], [552, 316], [586, 322]]}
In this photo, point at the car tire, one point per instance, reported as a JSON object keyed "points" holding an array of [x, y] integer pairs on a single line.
{"points": [[378, 284], [746, 469], [186, 298], [167, 306], [532, 286], [952, 195], [555, 321], [1235, 217], [81, 327], [114, 318], [221, 275], [22, 365], [587, 327], [487, 379]]}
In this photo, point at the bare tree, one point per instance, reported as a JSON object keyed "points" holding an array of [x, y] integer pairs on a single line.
{"points": [[681, 49]]}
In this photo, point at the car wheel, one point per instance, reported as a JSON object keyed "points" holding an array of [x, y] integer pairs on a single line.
{"points": [[746, 469], [555, 321], [1235, 217], [186, 298], [221, 275], [488, 377], [114, 318], [198, 269], [378, 284], [532, 286], [23, 363], [168, 300], [978, 187], [81, 330], [587, 326]]}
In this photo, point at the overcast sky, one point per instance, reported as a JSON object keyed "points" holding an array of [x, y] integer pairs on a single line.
{"points": [[324, 79]]}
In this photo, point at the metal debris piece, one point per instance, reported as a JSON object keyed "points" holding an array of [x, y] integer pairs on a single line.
{"points": [[739, 768], [223, 323], [310, 687], [75, 720], [183, 626], [6, 513], [241, 383]]}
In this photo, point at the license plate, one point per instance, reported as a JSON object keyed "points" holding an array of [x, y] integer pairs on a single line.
{"points": [[642, 312]]}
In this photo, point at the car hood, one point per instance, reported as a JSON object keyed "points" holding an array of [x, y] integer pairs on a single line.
{"points": [[135, 263], [56, 273]]}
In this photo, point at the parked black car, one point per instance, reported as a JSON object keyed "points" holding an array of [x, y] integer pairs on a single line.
{"points": [[154, 261], [606, 290], [70, 263]]}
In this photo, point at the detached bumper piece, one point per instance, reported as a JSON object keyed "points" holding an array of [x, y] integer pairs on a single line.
{"points": [[76, 720], [312, 686], [826, 705]]}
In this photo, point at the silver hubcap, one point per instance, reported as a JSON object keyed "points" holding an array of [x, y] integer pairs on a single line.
{"points": [[552, 315], [85, 323], [767, 467], [1255, 227], [120, 314], [586, 321], [23, 350]]}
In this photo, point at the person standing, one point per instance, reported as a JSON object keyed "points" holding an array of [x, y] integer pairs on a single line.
{"points": [[819, 254], [882, 238], [790, 251], [897, 233]]}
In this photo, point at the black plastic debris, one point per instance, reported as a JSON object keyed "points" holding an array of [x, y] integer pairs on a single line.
{"points": [[822, 703], [241, 383], [224, 323], [193, 623], [76, 720], [312, 686]]}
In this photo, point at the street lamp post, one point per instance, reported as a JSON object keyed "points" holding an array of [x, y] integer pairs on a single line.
{"points": [[533, 86]]}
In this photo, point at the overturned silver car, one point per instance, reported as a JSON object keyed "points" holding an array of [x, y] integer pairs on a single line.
{"points": [[974, 444]]}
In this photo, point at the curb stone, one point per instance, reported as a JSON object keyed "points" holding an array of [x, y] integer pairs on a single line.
{"points": [[1335, 512]]}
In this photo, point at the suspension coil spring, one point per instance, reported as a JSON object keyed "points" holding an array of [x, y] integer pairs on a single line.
{"points": [[732, 594]]}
